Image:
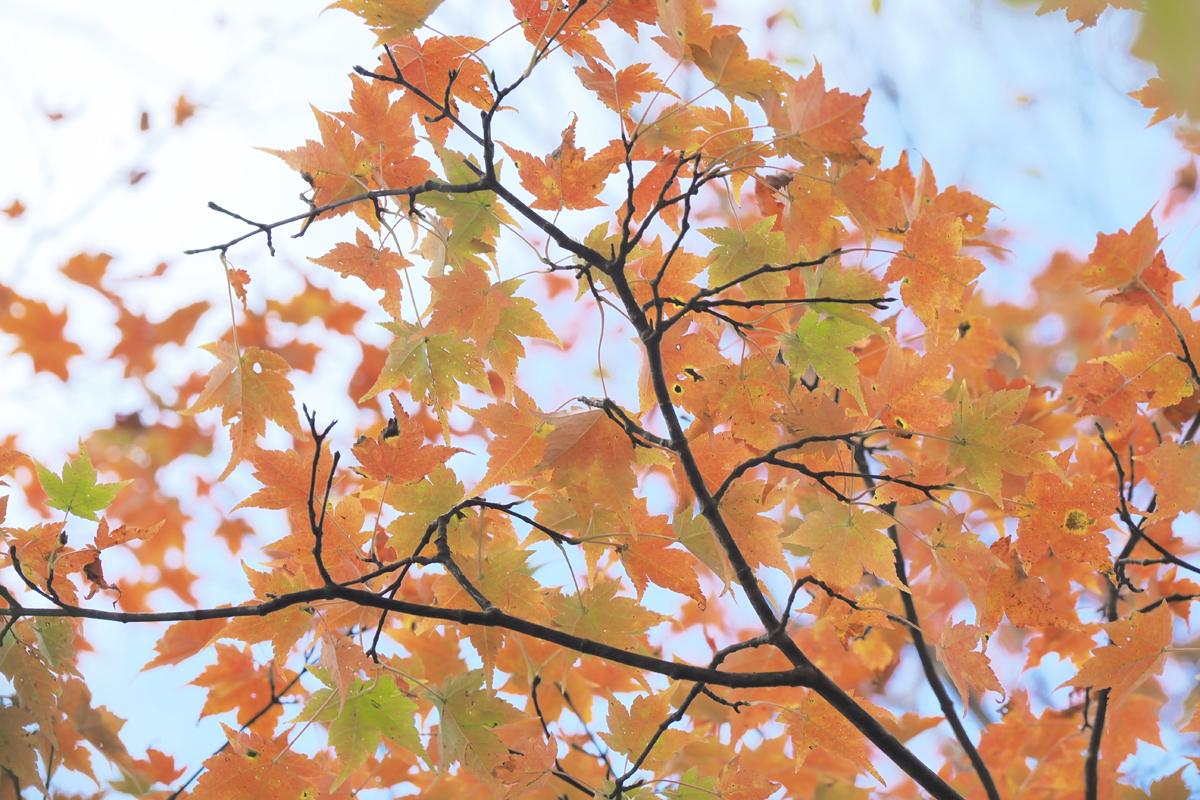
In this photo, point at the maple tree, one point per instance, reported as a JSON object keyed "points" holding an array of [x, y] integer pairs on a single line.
{"points": [[837, 460]]}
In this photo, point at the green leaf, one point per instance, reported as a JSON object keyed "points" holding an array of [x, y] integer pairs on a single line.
{"points": [[467, 714], [434, 367], [738, 252], [835, 281], [373, 709], [76, 491], [821, 344], [986, 440], [598, 614]]}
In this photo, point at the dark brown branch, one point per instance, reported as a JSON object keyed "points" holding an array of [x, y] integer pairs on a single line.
{"points": [[412, 192], [927, 665], [317, 525], [618, 415], [837, 697], [935, 681], [801, 676], [679, 713], [766, 458]]}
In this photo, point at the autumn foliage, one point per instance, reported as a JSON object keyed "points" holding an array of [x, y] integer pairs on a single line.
{"points": [[834, 462]]}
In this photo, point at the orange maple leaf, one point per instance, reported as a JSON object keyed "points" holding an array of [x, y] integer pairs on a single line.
{"points": [[967, 668], [377, 267], [566, 178], [184, 640], [904, 394], [1176, 477], [847, 541], [1025, 599], [253, 387], [934, 277], [1138, 650], [261, 768], [336, 167], [402, 458], [391, 19], [39, 332], [518, 439], [235, 681], [815, 122], [727, 64], [467, 304], [1069, 518], [622, 90], [1131, 262], [140, 337], [815, 724], [1087, 11]]}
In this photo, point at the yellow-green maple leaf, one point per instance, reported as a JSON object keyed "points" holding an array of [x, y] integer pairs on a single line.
{"points": [[76, 491], [986, 441], [822, 344]]}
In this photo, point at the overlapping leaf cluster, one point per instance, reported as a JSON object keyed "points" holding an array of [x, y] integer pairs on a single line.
{"points": [[817, 473]]}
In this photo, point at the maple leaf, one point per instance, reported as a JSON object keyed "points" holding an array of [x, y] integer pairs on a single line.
{"points": [[757, 535], [371, 710], [76, 491], [467, 716], [1012, 591], [1138, 650], [958, 554], [846, 542], [140, 338], [600, 615], [18, 747], [566, 178], [336, 167], [518, 439], [985, 439], [727, 64], [815, 122], [934, 278], [286, 476], [402, 458], [39, 332], [434, 366], [1176, 477], [739, 251], [821, 344], [904, 392], [967, 668], [815, 725], [283, 628], [251, 386], [390, 19], [1132, 263], [466, 303], [624, 89], [184, 640], [649, 560], [685, 25], [261, 768], [235, 681], [378, 268], [869, 200], [1067, 517], [1086, 11], [630, 730]]}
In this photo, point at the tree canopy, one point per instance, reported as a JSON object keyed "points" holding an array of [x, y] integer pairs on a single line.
{"points": [[823, 467]]}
